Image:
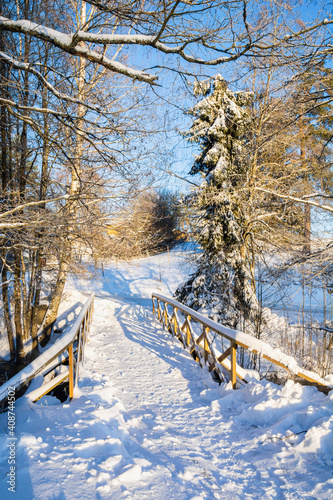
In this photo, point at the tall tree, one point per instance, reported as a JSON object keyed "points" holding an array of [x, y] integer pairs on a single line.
{"points": [[223, 283]]}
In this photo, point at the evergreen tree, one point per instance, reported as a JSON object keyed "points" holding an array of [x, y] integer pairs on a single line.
{"points": [[223, 285]]}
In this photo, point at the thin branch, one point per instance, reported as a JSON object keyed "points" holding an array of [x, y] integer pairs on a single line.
{"points": [[28, 67], [293, 198], [32, 204], [285, 437]]}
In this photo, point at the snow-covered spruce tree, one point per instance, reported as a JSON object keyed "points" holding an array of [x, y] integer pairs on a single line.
{"points": [[223, 285]]}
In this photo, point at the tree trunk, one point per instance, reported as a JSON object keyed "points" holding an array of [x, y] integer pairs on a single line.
{"points": [[307, 228], [34, 309], [52, 312], [37, 281], [18, 308], [6, 310]]}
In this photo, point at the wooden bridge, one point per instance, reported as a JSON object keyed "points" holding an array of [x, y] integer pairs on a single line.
{"points": [[61, 362], [203, 347]]}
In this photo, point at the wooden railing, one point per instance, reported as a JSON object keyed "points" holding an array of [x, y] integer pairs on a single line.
{"points": [[68, 349], [204, 349]]}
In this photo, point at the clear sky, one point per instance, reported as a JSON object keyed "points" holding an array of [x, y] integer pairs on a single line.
{"points": [[177, 97]]}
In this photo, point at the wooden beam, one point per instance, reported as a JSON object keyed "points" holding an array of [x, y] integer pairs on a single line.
{"points": [[223, 356], [71, 371], [46, 388], [233, 364], [200, 339], [166, 316]]}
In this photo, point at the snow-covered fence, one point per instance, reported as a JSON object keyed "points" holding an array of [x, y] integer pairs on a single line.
{"points": [[204, 350], [69, 348]]}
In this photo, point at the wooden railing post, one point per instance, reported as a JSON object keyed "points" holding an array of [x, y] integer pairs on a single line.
{"points": [[233, 364], [175, 324], [205, 331], [88, 326], [165, 316], [188, 329], [71, 371], [84, 336]]}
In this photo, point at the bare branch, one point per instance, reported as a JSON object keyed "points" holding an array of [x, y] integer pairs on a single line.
{"points": [[32, 204], [28, 67], [293, 198]]}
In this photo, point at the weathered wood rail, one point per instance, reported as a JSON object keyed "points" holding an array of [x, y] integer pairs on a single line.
{"points": [[68, 349], [203, 348]]}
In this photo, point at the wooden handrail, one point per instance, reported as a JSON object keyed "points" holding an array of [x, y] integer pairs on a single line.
{"points": [[62, 350], [201, 347]]}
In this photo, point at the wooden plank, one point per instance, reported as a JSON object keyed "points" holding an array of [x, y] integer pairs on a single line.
{"points": [[188, 330], [71, 371], [78, 356], [165, 316], [224, 355], [172, 323], [200, 338], [181, 335], [46, 388], [89, 322], [233, 364], [84, 336], [207, 346], [177, 323]]}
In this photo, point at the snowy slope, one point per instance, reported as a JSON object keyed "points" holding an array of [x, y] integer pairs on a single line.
{"points": [[148, 423]]}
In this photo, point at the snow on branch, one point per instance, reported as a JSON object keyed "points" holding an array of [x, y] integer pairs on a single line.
{"points": [[71, 43], [152, 41], [68, 43], [294, 35]]}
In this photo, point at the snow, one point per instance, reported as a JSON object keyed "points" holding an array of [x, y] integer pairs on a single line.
{"points": [[147, 423]]}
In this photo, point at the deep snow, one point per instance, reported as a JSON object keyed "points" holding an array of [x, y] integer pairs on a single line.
{"points": [[147, 423]]}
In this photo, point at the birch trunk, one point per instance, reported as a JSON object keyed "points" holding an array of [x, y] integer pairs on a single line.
{"points": [[73, 203]]}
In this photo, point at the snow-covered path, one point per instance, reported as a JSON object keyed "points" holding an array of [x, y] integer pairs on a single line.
{"points": [[188, 441], [148, 423]]}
